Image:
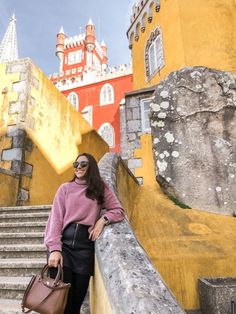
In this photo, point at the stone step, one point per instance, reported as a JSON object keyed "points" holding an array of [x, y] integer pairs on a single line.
{"points": [[22, 238], [22, 251], [9, 306], [26, 217], [20, 267], [33, 226], [13, 287], [26, 209]]}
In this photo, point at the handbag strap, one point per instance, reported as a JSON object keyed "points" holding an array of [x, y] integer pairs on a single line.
{"points": [[59, 275], [45, 268]]}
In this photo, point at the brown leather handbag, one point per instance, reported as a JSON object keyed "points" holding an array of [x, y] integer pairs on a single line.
{"points": [[45, 295]]}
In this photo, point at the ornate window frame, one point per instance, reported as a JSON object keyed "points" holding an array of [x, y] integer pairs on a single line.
{"points": [[155, 38], [106, 95], [146, 127]]}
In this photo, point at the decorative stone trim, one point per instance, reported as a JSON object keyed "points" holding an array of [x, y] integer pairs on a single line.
{"points": [[154, 34], [8, 172], [140, 9], [122, 260], [16, 155]]}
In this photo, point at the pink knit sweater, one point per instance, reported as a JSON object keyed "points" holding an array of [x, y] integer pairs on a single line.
{"points": [[71, 205]]}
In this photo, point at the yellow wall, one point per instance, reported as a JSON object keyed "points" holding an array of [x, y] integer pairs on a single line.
{"points": [[147, 170], [46, 180], [184, 244], [208, 30], [51, 113], [99, 303], [127, 189], [195, 32], [9, 189], [70, 135]]}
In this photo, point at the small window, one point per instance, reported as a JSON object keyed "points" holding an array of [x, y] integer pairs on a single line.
{"points": [[154, 54], [107, 132], [145, 109], [106, 95], [74, 100], [75, 57]]}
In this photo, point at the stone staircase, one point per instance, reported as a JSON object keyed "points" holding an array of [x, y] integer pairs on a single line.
{"points": [[22, 253]]}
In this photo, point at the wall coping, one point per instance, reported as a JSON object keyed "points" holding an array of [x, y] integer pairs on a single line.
{"points": [[132, 283]]}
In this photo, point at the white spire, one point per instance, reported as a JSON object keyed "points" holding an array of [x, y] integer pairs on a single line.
{"points": [[103, 44], [61, 31], [90, 22], [8, 46]]}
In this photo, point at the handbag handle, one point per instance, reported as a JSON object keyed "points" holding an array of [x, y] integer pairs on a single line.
{"points": [[44, 269], [59, 275]]}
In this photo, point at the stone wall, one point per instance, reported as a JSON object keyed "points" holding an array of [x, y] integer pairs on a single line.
{"points": [[193, 122], [131, 282], [131, 127]]}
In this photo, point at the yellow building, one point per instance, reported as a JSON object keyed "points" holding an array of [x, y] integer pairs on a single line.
{"points": [[165, 36], [168, 35]]}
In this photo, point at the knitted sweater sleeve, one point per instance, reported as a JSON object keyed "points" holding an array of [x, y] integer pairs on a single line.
{"points": [[112, 208], [54, 225]]}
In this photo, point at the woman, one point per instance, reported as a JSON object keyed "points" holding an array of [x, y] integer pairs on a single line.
{"points": [[75, 222]]}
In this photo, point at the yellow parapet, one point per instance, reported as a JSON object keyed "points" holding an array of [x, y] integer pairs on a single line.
{"points": [[147, 171], [184, 244]]}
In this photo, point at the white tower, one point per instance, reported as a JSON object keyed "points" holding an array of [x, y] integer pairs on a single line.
{"points": [[8, 46]]}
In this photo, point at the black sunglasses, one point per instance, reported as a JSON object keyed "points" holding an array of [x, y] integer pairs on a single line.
{"points": [[82, 164]]}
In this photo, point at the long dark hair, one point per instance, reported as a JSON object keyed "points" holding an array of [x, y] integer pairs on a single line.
{"points": [[96, 186]]}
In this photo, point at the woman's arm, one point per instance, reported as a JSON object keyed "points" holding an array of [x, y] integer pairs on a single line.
{"points": [[112, 210], [54, 225]]}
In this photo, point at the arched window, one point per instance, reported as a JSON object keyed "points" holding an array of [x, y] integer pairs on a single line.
{"points": [[74, 100], [154, 53], [107, 132], [106, 95]]}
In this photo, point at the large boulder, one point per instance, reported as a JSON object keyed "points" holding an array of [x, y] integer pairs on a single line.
{"points": [[193, 123]]}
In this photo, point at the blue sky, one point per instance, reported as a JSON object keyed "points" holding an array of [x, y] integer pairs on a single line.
{"points": [[38, 22]]}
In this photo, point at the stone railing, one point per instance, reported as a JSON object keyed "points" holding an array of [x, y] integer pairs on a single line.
{"points": [[131, 283]]}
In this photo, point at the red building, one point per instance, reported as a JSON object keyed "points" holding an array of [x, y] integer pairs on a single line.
{"points": [[93, 88]]}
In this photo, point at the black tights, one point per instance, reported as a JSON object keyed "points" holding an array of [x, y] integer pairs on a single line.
{"points": [[77, 292]]}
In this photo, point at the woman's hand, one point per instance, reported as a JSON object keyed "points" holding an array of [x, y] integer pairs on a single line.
{"points": [[54, 259], [97, 229]]}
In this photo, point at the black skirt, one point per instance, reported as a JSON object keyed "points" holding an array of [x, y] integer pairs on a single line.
{"points": [[78, 249]]}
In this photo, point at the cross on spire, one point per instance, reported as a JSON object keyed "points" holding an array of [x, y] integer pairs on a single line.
{"points": [[8, 46]]}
